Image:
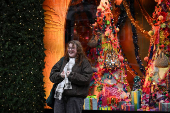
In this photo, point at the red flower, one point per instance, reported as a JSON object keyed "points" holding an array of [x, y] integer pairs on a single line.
{"points": [[146, 90], [164, 14]]}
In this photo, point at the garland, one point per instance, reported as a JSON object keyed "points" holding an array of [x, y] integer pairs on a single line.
{"points": [[121, 19], [133, 20], [145, 14]]}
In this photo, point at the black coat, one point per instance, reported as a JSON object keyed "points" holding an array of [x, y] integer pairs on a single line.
{"points": [[80, 77]]}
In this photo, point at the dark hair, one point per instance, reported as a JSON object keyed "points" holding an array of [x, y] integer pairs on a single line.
{"points": [[80, 52]]}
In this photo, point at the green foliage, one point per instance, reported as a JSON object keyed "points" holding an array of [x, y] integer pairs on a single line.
{"points": [[21, 56]]}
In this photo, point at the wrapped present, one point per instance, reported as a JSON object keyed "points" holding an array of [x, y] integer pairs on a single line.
{"points": [[122, 107], [114, 108], [105, 108], [154, 109], [144, 108], [164, 106], [127, 107], [120, 104], [148, 109], [90, 103], [136, 99], [160, 104]]}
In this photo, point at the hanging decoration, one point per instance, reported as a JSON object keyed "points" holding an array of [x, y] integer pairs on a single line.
{"points": [[157, 73], [145, 14], [121, 19], [133, 21]]}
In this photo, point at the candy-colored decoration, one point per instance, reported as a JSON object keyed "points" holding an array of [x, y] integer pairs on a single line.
{"points": [[54, 41], [159, 42]]}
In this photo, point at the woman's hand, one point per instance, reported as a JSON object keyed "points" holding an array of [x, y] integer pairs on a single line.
{"points": [[62, 74], [68, 73]]}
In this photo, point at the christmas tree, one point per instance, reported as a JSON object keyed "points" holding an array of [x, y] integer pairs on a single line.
{"points": [[110, 75], [157, 70]]}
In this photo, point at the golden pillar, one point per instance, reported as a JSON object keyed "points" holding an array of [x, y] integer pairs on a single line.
{"points": [[54, 38]]}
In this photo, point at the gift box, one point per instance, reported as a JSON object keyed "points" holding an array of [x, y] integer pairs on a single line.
{"points": [[105, 108], [154, 109], [164, 106], [160, 104], [136, 99], [120, 104], [113, 108], [90, 103], [148, 109], [127, 107]]}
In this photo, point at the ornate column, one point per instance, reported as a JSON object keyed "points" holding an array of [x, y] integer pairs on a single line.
{"points": [[54, 39]]}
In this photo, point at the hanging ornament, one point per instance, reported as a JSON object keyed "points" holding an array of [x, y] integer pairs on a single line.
{"points": [[111, 60], [151, 33], [121, 58], [160, 18], [146, 59]]}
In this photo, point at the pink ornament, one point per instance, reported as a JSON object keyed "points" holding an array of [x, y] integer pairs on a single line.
{"points": [[87, 38], [162, 46], [121, 58], [167, 95], [146, 59], [153, 94]]}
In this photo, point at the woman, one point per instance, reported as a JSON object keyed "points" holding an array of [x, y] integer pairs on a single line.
{"points": [[72, 74]]}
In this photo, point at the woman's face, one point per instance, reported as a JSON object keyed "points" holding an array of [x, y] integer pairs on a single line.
{"points": [[72, 50]]}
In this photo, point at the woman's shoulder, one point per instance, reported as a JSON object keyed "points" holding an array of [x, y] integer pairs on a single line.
{"points": [[86, 60]]}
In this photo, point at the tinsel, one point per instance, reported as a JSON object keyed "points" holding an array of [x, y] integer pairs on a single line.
{"points": [[121, 20]]}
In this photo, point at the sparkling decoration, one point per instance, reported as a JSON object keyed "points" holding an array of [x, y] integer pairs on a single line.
{"points": [[158, 78], [109, 61], [121, 20]]}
